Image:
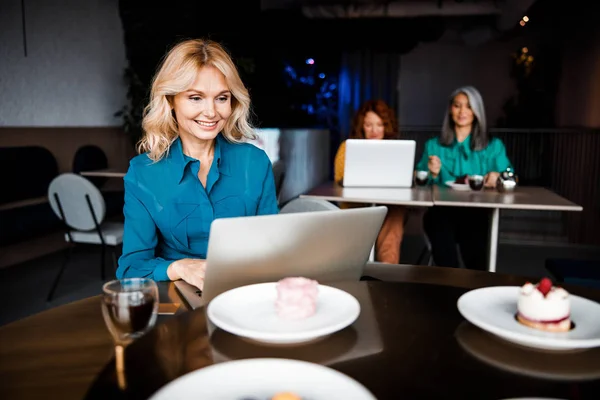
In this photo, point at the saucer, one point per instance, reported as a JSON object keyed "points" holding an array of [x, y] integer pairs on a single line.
{"points": [[458, 186]]}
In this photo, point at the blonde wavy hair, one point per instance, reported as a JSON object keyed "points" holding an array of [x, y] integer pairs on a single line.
{"points": [[176, 74]]}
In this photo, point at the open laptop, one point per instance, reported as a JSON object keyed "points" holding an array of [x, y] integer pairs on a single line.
{"points": [[328, 246], [379, 163]]}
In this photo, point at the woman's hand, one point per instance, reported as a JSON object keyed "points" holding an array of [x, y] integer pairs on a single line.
{"points": [[434, 165], [490, 179], [190, 270]]}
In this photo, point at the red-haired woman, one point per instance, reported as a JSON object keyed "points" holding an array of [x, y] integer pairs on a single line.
{"points": [[376, 120]]}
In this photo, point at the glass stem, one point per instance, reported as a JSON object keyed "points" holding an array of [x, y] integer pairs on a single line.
{"points": [[120, 364]]}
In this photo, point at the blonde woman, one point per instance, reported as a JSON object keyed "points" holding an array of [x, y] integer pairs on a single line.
{"points": [[193, 167]]}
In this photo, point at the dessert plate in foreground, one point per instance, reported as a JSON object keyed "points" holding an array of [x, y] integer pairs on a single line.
{"points": [[264, 378], [494, 309], [250, 312]]}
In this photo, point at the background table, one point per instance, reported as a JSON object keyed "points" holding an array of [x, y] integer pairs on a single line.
{"points": [[523, 198], [106, 173], [417, 197]]}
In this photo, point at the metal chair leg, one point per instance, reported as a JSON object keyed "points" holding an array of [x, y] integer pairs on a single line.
{"points": [[114, 258], [102, 263], [69, 251], [430, 261], [422, 255]]}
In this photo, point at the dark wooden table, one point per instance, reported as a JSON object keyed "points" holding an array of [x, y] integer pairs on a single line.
{"points": [[409, 342]]}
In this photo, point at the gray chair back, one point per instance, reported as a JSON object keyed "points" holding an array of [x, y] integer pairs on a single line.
{"points": [[71, 189], [279, 176], [307, 205]]}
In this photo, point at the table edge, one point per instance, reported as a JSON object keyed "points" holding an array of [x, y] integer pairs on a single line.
{"points": [[422, 203], [537, 207]]}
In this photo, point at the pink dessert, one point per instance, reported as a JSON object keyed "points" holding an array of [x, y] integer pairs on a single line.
{"points": [[296, 298]]}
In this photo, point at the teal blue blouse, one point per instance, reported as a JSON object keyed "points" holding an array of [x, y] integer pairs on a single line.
{"points": [[168, 212], [458, 159]]}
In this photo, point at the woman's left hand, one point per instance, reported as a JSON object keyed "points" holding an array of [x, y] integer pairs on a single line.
{"points": [[490, 179]]}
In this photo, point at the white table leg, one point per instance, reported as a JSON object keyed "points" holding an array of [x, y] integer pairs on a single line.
{"points": [[493, 245]]}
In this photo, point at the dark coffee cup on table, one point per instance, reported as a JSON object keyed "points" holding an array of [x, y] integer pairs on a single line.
{"points": [[476, 182], [421, 177]]}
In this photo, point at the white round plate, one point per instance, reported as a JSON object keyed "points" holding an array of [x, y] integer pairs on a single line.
{"points": [[458, 186], [249, 311], [262, 378], [493, 309]]}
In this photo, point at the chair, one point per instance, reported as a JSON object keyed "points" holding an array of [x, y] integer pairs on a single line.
{"points": [[80, 206], [300, 204], [426, 251], [90, 158], [279, 176]]}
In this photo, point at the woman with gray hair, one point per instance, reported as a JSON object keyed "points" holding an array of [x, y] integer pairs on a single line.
{"points": [[463, 148]]}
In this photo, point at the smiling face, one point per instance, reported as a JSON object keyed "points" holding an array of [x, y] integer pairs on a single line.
{"points": [[202, 111], [461, 111], [373, 126]]}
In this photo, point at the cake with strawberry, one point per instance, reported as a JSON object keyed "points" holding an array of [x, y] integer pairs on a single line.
{"points": [[544, 306]]}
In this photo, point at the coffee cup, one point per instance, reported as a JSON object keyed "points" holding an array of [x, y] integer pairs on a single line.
{"points": [[475, 182], [421, 177]]}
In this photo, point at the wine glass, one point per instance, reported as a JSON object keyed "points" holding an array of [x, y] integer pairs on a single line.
{"points": [[129, 307]]}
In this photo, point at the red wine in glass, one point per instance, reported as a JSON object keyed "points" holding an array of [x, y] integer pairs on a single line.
{"points": [[129, 308], [131, 319]]}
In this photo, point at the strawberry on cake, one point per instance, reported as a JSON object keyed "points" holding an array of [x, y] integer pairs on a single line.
{"points": [[544, 307], [296, 298]]}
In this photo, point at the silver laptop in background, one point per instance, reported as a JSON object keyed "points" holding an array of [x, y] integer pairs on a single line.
{"points": [[379, 163], [328, 246]]}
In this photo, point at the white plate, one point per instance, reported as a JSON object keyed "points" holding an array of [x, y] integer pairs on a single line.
{"points": [[458, 186], [493, 309], [249, 311], [262, 378]]}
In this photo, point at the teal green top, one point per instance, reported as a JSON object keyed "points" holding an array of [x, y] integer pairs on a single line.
{"points": [[458, 159], [168, 212]]}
